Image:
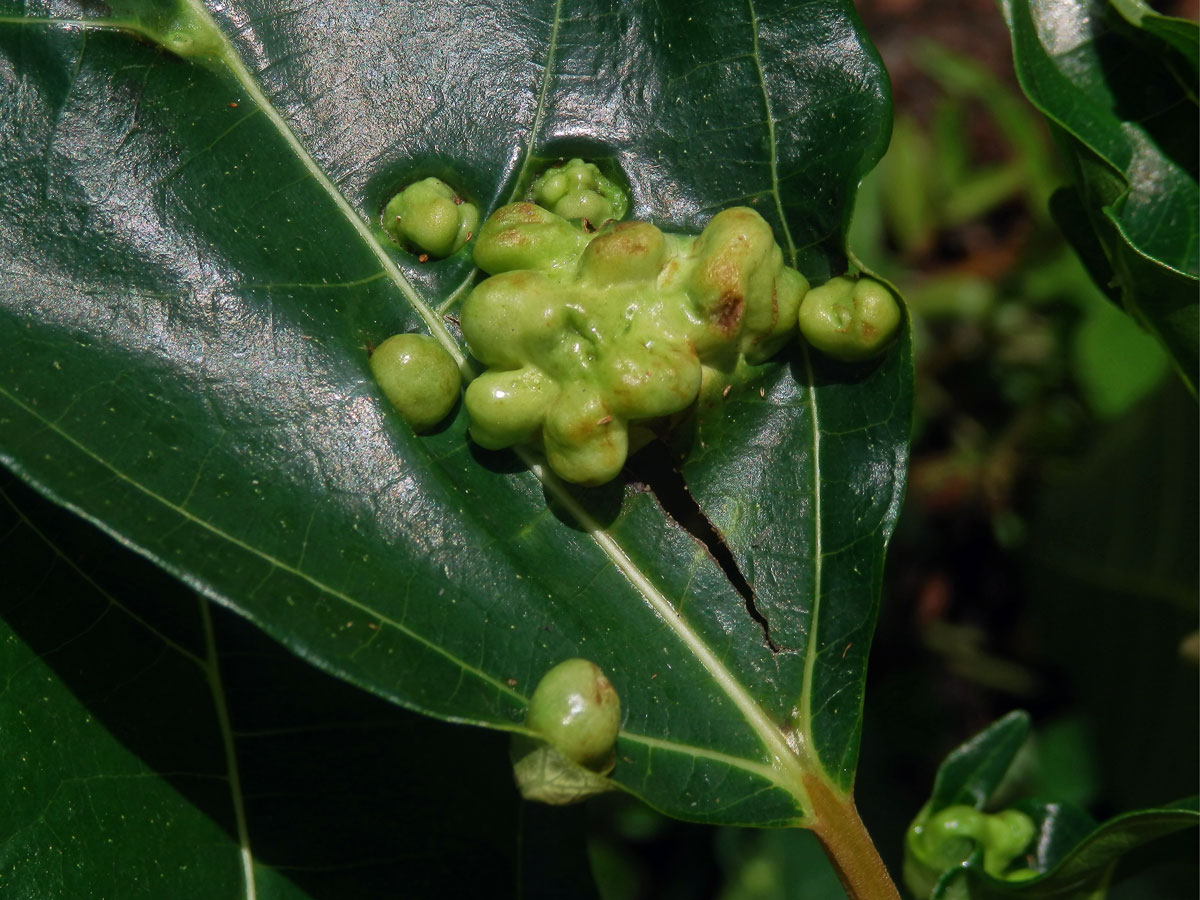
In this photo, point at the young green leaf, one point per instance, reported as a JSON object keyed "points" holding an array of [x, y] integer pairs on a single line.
{"points": [[961, 846]]}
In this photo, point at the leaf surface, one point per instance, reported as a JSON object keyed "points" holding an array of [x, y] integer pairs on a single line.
{"points": [[158, 746], [1117, 85], [194, 272], [1071, 854]]}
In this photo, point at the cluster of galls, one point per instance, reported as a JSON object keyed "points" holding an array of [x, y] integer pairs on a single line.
{"points": [[579, 190], [590, 327], [584, 334]]}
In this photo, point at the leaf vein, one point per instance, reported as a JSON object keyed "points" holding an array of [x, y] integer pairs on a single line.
{"points": [[241, 545]]}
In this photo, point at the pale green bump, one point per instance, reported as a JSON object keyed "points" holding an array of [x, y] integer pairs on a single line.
{"points": [[429, 217], [576, 710], [946, 839], [173, 24], [651, 381], [586, 443], [578, 190], [735, 261], [1008, 833], [550, 188], [508, 407], [513, 318], [629, 252], [526, 236], [767, 335], [419, 378], [850, 319], [191, 39]]}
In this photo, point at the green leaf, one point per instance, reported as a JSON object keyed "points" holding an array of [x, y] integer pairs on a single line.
{"points": [[1076, 861], [1071, 855], [154, 747], [1120, 96], [971, 774], [194, 272]]}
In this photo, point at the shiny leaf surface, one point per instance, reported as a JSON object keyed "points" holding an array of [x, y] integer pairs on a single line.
{"points": [[1071, 854], [195, 272], [1117, 84], [155, 746]]}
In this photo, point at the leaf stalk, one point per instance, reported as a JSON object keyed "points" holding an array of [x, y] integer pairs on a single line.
{"points": [[849, 847]]}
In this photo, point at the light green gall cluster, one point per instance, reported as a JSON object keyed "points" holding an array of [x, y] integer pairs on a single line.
{"points": [[943, 841], [576, 710], [850, 319], [429, 218], [584, 334], [419, 378], [578, 190]]}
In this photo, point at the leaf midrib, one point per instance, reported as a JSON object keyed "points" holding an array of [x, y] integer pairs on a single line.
{"points": [[789, 757], [804, 721], [781, 755]]}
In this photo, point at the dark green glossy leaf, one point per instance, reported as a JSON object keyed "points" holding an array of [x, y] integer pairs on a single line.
{"points": [[1072, 855], [193, 274], [154, 748], [972, 773], [1076, 861], [1120, 94]]}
